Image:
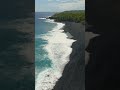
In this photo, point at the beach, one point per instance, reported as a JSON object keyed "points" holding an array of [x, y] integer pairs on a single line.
{"points": [[58, 47], [62, 44], [74, 71]]}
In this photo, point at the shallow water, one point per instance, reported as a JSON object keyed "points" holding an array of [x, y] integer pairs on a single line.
{"points": [[52, 52]]}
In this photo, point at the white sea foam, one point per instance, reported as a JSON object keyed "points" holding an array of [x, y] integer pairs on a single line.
{"points": [[59, 49], [50, 20], [41, 18]]}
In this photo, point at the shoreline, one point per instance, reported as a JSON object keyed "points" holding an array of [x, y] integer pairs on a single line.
{"points": [[56, 38], [76, 59]]}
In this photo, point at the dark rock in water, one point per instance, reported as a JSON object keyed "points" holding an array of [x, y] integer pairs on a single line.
{"points": [[73, 77]]}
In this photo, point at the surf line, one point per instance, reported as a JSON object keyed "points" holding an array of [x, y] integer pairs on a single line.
{"points": [[59, 50]]}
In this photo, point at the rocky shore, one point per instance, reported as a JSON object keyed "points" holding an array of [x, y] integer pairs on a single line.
{"points": [[73, 77]]}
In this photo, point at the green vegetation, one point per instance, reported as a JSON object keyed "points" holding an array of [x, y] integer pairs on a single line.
{"points": [[71, 16]]}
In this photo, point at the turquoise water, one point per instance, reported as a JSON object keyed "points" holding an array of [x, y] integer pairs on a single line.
{"points": [[52, 50], [42, 60]]}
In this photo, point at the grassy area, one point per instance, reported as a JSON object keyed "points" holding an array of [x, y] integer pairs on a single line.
{"points": [[72, 16]]}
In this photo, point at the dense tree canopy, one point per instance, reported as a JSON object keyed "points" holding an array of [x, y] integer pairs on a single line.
{"points": [[72, 16]]}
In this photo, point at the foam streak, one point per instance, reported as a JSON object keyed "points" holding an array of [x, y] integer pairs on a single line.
{"points": [[59, 49]]}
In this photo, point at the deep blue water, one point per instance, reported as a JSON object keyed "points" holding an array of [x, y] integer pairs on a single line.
{"points": [[42, 60]]}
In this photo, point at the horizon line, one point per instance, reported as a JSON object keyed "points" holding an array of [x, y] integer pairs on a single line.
{"points": [[59, 11]]}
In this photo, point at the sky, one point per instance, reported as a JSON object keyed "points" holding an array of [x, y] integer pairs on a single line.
{"points": [[58, 5]]}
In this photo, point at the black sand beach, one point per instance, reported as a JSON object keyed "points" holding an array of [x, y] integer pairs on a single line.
{"points": [[74, 72]]}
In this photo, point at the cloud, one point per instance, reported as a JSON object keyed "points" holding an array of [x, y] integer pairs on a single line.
{"points": [[64, 1], [50, 0], [59, 5], [75, 5]]}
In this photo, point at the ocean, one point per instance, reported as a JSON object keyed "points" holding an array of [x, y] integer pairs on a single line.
{"points": [[52, 51]]}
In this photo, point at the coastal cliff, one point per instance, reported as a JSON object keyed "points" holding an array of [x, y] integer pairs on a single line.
{"points": [[74, 72]]}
